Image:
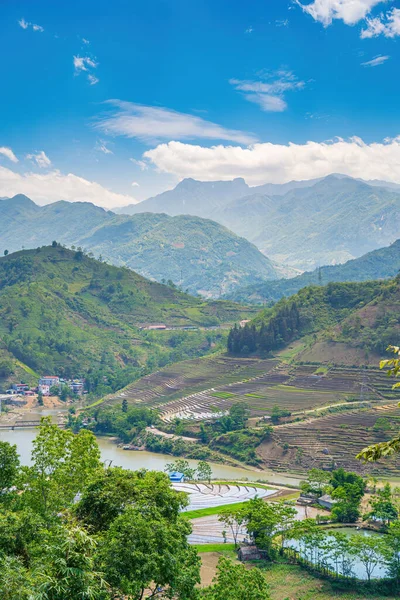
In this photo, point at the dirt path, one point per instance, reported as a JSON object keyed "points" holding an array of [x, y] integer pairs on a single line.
{"points": [[173, 436]]}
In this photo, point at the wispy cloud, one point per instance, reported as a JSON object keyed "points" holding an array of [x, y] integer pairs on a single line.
{"points": [[349, 11], [282, 22], [102, 146], [143, 166], [40, 158], [135, 184], [387, 24], [269, 91], [26, 25], [149, 123], [8, 153], [249, 30], [376, 61], [86, 64], [85, 41]]}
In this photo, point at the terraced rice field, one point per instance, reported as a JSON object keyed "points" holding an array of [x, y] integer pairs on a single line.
{"points": [[333, 441], [202, 495]]}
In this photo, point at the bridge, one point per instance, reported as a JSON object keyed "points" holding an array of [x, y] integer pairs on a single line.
{"points": [[26, 424]]}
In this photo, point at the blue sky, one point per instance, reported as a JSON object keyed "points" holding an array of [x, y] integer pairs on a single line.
{"points": [[98, 96]]}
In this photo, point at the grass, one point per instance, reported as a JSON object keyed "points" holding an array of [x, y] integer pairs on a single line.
{"points": [[294, 583], [201, 548], [214, 510], [223, 395]]}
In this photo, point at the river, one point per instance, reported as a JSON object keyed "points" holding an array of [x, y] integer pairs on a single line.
{"points": [[130, 459]]}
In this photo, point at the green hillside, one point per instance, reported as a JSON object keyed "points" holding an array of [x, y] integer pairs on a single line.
{"points": [[198, 254], [65, 313], [378, 264], [363, 315]]}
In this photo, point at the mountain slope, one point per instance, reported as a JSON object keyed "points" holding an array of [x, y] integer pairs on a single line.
{"points": [[63, 312], [201, 255], [378, 264], [303, 224], [355, 315]]}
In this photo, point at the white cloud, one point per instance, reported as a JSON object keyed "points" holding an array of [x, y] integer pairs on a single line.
{"points": [[140, 163], [93, 79], [282, 22], [45, 188], [25, 25], [8, 153], [85, 41], [249, 30], [275, 163], [102, 146], [376, 61], [85, 63], [135, 184], [269, 92], [387, 24], [349, 11], [149, 123], [81, 63], [40, 159]]}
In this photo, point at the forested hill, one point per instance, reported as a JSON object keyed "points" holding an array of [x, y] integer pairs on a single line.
{"points": [[67, 314], [378, 264], [200, 255], [359, 315]]}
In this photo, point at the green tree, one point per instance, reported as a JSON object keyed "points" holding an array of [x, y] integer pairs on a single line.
{"points": [[233, 519], [317, 481], [40, 398], [264, 520], [5, 252], [125, 405], [236, 582], [15, 580], [65, 569], [144, 550], [204, 471], [9, 465], [369, 551], [181, 466], [377, 451], [391, 550], [62, 465], [115, 488], [382, 506]]}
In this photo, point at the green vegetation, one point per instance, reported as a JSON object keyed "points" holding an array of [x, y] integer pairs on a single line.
{"points": [[224, 548], [359, 314], [378, 264], [63, 312], [196, 254]]}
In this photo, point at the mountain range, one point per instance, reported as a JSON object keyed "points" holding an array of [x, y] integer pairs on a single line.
{"points": [[302, 224], [198, 254], [378, 264]]}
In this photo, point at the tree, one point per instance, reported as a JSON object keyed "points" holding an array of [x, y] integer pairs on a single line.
{"points": [[181, 466], [40, 398], [377, 451], [66, 567], [264, 520], [236, 582], [382, 507], [9, 465], [391, 550], [125, 405], [233, 519], [204, 471], [144, 550], [5, 252], [317, 481], [278, 413], [369, 551], [115, 488], [15, 581], [54, 244], [62, 465]]}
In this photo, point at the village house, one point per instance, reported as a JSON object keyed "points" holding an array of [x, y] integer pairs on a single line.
{"points": [[327, 501], [46, 382], [20, 388]]}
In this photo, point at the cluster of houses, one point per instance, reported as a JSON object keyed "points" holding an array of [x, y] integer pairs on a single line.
{"points": [[46, 383]]}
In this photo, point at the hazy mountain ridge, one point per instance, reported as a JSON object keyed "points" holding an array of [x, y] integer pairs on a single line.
{"points": [[383, 263], [201, 255], [304, 224]]}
